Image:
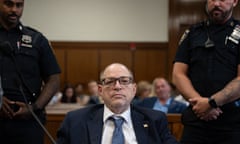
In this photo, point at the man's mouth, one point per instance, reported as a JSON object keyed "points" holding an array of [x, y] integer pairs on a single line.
{"points": [[117, 96], [217, 12], [13, 17]]}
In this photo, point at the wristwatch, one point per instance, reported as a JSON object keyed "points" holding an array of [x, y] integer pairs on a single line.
{"points": [[212, 103]]}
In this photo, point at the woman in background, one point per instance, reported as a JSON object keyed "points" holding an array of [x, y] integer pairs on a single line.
{"points": [[68, 95]]}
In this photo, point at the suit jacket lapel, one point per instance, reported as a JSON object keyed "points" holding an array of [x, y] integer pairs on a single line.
{"points": [[95, 126], [140, 127], [171, 107]]}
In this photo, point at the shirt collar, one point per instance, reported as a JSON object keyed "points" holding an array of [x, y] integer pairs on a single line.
{"points": [[230, 22], [167, 103], [108, 113], [19, 27]]}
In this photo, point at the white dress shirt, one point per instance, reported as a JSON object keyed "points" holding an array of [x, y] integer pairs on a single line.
{"points": [[162, 107], [127, 127]]}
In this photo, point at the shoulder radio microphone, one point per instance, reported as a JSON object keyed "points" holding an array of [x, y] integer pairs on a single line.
{"points": [[208, 43]]}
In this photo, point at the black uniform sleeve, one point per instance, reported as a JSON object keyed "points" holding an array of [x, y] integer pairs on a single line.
{"points": [[48, 62], [182, 54]]}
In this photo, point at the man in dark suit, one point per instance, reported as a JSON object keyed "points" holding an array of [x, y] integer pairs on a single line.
{"points": [[94, 125], [163, 100]]}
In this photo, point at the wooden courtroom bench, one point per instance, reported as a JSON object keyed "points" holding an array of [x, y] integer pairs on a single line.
{"points": [[56, 114]]}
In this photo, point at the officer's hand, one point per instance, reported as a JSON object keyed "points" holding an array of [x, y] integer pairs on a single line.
{"points": [[6, 110], [23, 111], [200, 105], [212, 114]]}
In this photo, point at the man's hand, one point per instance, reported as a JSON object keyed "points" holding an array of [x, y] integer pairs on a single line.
{"points": [[203, 110], [200, 105], [212, 114], [6, 110], [15, 110], [23, 111]]}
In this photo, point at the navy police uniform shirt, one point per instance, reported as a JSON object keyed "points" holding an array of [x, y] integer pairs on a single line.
{"points": [[29, 54], [210, 68], [211, 52]]}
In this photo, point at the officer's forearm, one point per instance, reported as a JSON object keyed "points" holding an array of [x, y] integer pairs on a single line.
{"points": [[230, 93], [186, 89], [50, 88], [184, 86]]}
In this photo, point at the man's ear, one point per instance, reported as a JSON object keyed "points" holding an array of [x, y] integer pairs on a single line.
{"points": [[100, 89], [134, 88], [235, 3]]}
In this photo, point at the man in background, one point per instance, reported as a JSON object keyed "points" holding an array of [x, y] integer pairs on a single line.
{"points": [[93, 92], [163, 99]]}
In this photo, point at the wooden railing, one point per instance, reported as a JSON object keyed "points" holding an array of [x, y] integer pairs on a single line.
{"points": [[56, 115], [175, 125]]}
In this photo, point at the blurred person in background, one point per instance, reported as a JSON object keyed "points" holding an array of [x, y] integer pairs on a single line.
{"points": [[93, 92], [81, 98], [68, 94], [163, 100], [144, 89]]}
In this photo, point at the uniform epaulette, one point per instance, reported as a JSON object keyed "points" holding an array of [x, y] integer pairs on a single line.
{"points": [[32, 29], [236, 22], [192, 28]]}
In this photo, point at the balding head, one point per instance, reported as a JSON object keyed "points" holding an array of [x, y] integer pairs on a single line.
{"points": [[116, 67]]}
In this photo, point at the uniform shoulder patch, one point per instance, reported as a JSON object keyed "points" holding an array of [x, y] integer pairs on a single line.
{"points": [[191, 28], [183, 37]]}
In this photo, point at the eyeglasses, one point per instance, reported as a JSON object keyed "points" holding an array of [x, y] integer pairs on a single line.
{"points": [[112, 81]]}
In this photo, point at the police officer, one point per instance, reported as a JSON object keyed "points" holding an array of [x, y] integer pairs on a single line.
{"points": [[207, 73], [29, 76]]}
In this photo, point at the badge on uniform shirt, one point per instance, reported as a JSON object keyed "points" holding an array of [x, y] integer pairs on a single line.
{"points": [[235, 36], [185, 34], [26, 41]]}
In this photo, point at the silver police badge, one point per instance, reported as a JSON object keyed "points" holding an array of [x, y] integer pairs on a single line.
{"points": [[26, 41], [235, 36]]}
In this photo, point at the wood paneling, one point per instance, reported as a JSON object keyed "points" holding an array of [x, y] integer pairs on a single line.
{"points": [[110, 55], [81, 65], [60, 55], [83, 61], [150, 63]]}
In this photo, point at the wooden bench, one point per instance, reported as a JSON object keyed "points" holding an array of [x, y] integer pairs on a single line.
{"points": [[175, 125]]}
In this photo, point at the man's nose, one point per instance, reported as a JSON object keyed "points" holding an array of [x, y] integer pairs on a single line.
{"points": [[14, 8], [216, 2], [117, 85]]}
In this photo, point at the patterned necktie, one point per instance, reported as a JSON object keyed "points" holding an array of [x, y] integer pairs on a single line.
{"points": [[118, 137]]}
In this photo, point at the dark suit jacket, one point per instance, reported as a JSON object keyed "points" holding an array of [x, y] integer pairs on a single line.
{"points": [[174, 107], [85, 126]]}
